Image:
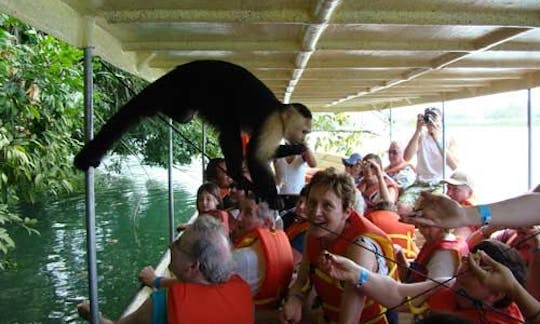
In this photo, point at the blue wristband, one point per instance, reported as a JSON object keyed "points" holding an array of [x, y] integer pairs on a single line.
{"points": [[157, 282], [485, 213], [362, 278]]}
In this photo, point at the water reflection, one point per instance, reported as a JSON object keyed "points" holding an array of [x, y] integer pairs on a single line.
{"points": [[131, 231]]}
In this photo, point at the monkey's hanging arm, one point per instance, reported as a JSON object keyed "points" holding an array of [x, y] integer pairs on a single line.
{"points": [[289, 149]]}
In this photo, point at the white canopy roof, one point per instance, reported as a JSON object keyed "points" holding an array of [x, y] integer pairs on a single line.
{"points": [[331, 55]]}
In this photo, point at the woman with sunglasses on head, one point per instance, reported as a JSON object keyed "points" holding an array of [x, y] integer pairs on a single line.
{"points": [[376, 186]]}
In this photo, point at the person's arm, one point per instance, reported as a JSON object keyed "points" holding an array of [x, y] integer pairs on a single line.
{"points": [[388, 195], [533, 277], [499, 278], [142, 315], [309, 157], [451, 159], [292, 308], [384, 290], [412, 146], [402, 262], [441, 211], [352, 302], [148, 277], [277, 173]]}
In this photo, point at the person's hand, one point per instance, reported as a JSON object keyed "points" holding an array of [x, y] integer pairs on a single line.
{"points": [[420, 122], [182, 227], [292, 311], [147, 276], [439, 211], [84, 310], [372, 164], [339, 267], [491, 273], [530, 234]]}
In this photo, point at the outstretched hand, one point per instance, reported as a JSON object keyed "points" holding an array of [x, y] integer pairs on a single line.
{"points": [[491, 273], [147, 276], [437, 210], [84, 310], [339, 267]]}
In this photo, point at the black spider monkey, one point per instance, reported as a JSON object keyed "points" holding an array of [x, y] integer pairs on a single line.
{"points": [[231, 99]]}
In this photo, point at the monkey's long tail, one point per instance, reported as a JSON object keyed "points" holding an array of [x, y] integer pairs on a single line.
{"points": [[93, 151]]}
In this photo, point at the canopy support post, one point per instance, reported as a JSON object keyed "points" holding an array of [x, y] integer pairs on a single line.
{"points": [[443, 139], [89, 184], [171, 189], [529, 140], [203, 146]]}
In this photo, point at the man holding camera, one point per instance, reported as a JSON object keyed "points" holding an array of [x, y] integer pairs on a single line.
{"points": [[428, 146]]}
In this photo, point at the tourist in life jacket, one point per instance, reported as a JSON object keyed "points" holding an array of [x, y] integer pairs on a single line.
{"points": [[202, 262], [295, 225], [400, 170], [460, 187], [439, 257], [262, 254], [209, 202], [376, 186], [335, 226], [469, 295]]}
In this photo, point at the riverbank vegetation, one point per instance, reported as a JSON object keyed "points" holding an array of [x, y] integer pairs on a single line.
{"points": [[41, 122]]}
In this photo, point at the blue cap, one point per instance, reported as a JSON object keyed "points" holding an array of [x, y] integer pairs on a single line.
{"points": [[353, 159]]}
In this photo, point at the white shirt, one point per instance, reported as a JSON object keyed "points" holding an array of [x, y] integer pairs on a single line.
{"points": [[250, 266], [429, 167], [291, 175]]}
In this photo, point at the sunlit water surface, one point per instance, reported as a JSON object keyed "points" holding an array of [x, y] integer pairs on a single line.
{"points": [[131, 231]]}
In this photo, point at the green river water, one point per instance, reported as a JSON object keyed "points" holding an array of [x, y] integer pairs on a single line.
{"points": [[132, 231]]}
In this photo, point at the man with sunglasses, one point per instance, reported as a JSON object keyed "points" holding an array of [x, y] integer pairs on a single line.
{"points": [[400, 170]]}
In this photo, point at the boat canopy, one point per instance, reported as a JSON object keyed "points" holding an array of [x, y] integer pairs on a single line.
{"points": [[331, 55]]}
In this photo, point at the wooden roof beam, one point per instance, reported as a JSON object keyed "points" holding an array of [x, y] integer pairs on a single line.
{"points": [[138, 16], [483, 44], [323, 12], [510, 18]]}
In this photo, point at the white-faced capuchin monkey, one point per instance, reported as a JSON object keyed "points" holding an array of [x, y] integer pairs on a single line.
{"points": [[229, 98]]}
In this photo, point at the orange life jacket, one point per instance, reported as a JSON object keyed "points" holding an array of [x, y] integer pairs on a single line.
{"points": [[278, 258], [229, 302], [445, 300], [245, 141], [224, 192], [296, 228], [400, 233], [330, 290], [419, 266]]}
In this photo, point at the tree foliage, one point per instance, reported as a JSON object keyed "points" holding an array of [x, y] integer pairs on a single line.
{"points": [[336, 133], [41, 121]]}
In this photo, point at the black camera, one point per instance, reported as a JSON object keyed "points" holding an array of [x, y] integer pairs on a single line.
{"points": [[430, 115]]}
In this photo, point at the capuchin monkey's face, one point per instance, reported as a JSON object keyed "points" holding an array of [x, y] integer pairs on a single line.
{"points": [[296, 127]]}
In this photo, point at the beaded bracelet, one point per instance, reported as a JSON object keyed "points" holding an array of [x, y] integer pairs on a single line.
{"points": [[485, 214], [157, 282]]}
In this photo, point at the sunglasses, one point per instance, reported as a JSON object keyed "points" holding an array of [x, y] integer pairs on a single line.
{"points": [[392, 152]]}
